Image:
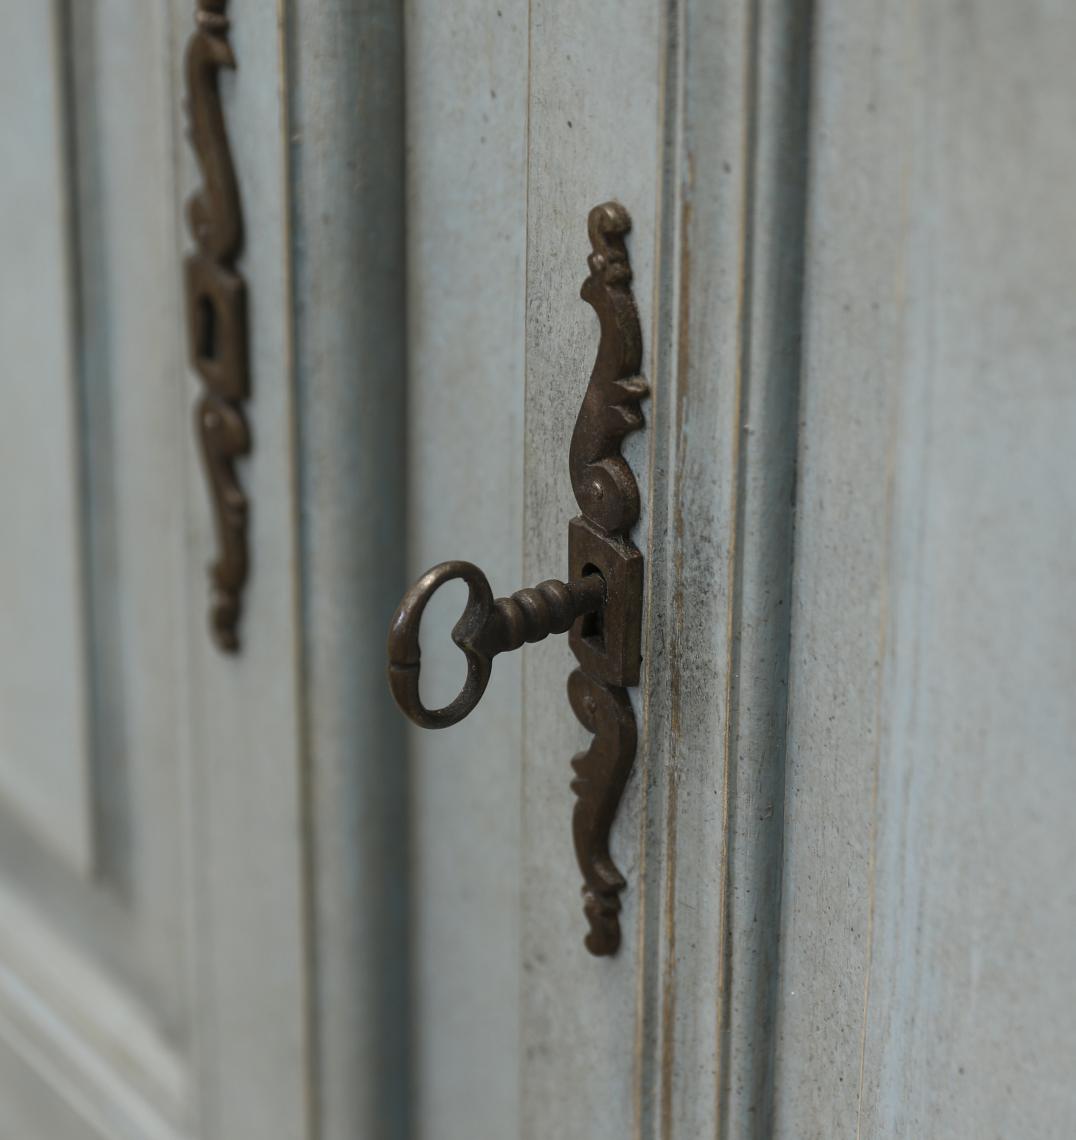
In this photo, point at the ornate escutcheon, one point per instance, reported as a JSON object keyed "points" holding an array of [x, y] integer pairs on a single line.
{"points": [[217, 317], [601, 603]]}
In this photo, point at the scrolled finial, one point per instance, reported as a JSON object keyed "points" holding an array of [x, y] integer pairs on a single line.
{"points": [[607, 226]]}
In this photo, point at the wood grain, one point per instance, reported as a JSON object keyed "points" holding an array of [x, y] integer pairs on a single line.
{"points": [[927, 974]]}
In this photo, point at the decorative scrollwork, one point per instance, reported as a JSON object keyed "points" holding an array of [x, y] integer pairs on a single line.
{"points": [[603, 483], [217, 316], [600, 604], [608, 496]]}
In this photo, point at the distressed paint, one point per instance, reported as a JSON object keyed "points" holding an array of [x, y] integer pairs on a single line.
{"points": [[247, 860], [716, 249], [723, 455], [927, 973], [467, 137], [345, 83], [593, 137], [91, 958], [45, 762], [221, 972], [924, 840]]}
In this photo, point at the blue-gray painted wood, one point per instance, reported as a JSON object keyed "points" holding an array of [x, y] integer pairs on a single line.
{"points": [[346, 235], [927, 969], [44, 751], [247, 957], [466, 217]]}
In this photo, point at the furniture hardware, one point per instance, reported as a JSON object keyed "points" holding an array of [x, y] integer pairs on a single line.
{"points": [[601, 603], [217, 316]]}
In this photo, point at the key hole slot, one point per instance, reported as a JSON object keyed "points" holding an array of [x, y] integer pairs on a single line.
{"points": [[206, 329], [593, 628]]}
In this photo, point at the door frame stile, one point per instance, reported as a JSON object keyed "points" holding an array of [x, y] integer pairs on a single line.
{"points": [[725, 415]]}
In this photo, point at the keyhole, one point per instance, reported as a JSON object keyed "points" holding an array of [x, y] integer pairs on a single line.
{"points": [[206, 329], [593, 627]]}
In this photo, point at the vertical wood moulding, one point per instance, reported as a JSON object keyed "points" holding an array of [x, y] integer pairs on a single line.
{"points": [[343, 110], [724, 433]]}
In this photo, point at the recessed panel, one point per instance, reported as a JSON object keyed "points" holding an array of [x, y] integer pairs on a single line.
{"points": [[43, 744]]}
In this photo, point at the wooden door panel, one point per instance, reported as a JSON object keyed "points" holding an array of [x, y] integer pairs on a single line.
{"points": [[125, 966], [692, 117], [466, 101], [90, 945], [927, 972], [38, 1111], [182, 951], [204, 892], [620, 103], [44, 748], [594, 124]]}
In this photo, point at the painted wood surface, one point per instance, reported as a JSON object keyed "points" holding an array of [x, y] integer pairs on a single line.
{"points": [[466, 202], [169, 991], [868, 937], [720, 536], [672, 1038], [93, 992], [247, 780], [44, 754], [346, 109], [927, 965], [593, 126], [221, 966]]}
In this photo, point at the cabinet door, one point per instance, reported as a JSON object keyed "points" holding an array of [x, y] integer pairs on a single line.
{"points": [[203, 902], [927, 965], [238, 898], [847, 826], [520, 121], [95, 1008]]}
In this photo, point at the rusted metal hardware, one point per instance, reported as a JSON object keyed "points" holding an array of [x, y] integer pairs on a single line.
{"points": [[601, 603], [217, 317], [608, 650]]}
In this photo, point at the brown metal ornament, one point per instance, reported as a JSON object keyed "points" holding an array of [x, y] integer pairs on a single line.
{"points": [[608, 650], [601, 603], [217, 317]]}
